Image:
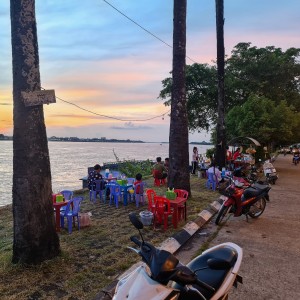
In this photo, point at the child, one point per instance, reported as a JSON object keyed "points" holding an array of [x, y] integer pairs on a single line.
{"points": [[138, 179]]}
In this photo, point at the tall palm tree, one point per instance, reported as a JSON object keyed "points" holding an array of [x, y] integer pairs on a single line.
{"points": [[35, 238], [221, 130], [179, 176]]}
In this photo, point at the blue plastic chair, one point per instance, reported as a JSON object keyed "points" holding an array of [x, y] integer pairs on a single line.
{"points": [[212, 181], [139, 197], [71, 212], [115, 193], [130, 180], [68, 195], [98, 189]]}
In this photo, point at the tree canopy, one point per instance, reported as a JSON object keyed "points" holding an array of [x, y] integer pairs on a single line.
{"points": [[267, 76], [264, 120]]}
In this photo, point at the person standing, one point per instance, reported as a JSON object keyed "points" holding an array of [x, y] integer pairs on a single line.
{"points": [[228, 158], [214, 170], [166, 164], [195, 159]]}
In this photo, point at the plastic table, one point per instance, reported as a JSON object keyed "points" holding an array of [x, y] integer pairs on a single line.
{"points": [[176, 204], [57, 206]]}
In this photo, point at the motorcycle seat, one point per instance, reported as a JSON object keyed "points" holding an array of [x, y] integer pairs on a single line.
{"points": [[208, 275], [254, 191]]}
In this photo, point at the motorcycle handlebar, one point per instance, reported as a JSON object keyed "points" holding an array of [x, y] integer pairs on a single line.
{"points": [[136, 240], [185, 276]]}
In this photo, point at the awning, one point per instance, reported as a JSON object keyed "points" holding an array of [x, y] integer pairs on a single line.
{"points": [[240, 139]]}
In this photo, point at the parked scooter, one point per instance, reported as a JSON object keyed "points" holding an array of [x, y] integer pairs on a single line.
{"points": [[209, 276], [270, 172], [249, 201]]}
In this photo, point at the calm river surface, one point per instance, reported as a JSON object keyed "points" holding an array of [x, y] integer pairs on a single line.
{"points": [[70, 160]]}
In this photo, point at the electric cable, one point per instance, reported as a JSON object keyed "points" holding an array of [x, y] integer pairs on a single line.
{"points": [[111, 117], [146, 30]]}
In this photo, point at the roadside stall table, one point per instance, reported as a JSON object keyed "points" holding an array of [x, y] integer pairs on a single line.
{"points": [[57, 206]]}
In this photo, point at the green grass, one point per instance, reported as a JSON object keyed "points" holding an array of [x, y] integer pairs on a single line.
{"points": [[91, 258]]}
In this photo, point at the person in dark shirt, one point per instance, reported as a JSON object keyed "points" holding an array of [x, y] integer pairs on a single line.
{"points": [[96, 175], [166, 164]]}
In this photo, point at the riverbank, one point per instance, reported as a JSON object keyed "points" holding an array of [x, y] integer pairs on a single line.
{"points": [[69, 161]]}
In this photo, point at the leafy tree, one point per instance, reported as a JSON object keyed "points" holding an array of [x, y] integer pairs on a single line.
{"points": [[35, 238], [263, 120], [201, 93], [268, 72], [178, 175]]}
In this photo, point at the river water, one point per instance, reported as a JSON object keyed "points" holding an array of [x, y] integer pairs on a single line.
{"points": [[70, 160]]}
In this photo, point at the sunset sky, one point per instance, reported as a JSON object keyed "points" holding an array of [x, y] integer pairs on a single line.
{"points": [[96, 58]]}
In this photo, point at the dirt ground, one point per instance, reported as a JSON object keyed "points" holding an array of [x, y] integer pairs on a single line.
{"points": [[271, 243]]}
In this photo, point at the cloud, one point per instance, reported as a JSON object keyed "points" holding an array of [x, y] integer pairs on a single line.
{"points": [[130, 126]]}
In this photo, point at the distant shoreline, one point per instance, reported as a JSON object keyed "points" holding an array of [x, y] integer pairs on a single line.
{"points": [[97, 140]]}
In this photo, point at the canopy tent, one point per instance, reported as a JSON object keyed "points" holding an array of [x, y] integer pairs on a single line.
{"points": [[243, 140]]}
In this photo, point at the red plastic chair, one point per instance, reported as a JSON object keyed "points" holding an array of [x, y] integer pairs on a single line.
{"points": [[162, 212], [151, 199], [182, 208]]}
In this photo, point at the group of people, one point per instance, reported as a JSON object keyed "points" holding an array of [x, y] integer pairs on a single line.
{"points": [[230, 158], [160, 169], [95, 174]]}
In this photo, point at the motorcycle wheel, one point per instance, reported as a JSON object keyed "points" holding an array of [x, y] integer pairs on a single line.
{"points": [[257, 208], [222, 213]]}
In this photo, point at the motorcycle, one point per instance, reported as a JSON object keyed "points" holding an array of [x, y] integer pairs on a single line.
{"points": [[211, 275], [246, 178], [240, 200], [270, 172]]}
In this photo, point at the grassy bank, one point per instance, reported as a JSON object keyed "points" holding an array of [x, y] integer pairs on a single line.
{"points": [[92, 257]]}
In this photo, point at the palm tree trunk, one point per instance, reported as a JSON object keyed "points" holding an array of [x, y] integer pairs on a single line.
{"points": [[35, 238], [179, 176], [221, 130]]}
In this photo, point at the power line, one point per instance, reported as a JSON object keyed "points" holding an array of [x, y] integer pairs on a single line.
{"points": [[111, 117], [146, 30]]}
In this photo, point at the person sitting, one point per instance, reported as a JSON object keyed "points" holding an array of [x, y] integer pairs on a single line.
{"points": [[96, 175], [237, 153], [159, 170]]}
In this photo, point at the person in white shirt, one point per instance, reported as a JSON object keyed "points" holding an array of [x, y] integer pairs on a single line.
{"points": [[214, 170]]}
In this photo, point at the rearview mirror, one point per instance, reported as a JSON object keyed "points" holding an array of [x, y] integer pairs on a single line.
{"points": [[135, 221]]}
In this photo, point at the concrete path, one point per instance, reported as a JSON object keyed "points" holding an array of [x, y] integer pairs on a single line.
{"points": [[271, 243]]}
